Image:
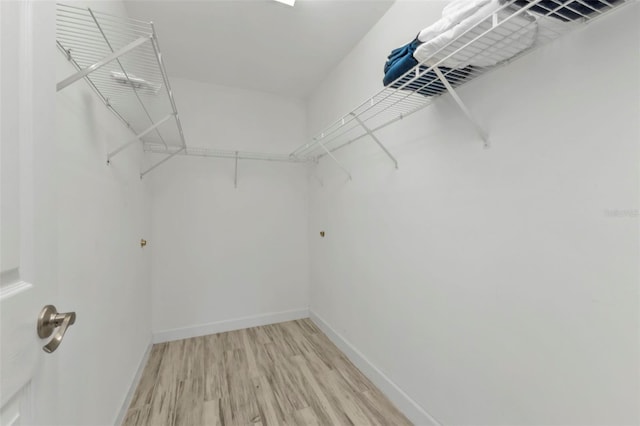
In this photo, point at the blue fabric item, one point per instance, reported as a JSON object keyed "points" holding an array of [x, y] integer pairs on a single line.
{"points": [[571, 10], [401, 60]]}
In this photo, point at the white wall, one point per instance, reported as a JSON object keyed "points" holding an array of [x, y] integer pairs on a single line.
{"points": [[223, 254], [104, 276], [492, 286]]}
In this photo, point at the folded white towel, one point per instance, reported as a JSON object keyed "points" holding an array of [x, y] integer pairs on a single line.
{"points": [[452, 14], [475, 16]]}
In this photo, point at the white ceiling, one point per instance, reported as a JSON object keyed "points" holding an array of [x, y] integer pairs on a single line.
{"points": [[258, 44]]}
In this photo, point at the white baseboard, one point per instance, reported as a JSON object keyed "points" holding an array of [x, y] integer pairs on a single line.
{"points": [[409, 407], [229, 325], [134, 385]]}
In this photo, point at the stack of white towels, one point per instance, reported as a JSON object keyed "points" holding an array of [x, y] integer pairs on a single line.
{"points": [[475, 17]]}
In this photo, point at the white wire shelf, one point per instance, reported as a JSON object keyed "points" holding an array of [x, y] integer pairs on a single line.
{"points": [[120, 59], [497, 35]]}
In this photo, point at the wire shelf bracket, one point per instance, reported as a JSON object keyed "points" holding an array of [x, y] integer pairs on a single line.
{"points": [[137, 138], [164, 160], [333, 157], [481, 132], [376, 140]]}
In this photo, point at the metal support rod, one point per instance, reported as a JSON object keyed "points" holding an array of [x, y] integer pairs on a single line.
{"points": [[483, 135], [91, 68], [137, 138], [164, 160], [344, 169], [235, 179], [167, 85], [70, 58], [314, 172], [375, 139]]}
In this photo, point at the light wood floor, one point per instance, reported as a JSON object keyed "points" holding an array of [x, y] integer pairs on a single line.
{"points": [[287, 373]]}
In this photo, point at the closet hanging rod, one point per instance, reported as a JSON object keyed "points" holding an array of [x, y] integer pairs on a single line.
{"points": [[220, 153]]}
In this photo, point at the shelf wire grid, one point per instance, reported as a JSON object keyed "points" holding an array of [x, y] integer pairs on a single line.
{"points": [[134, 86], [498, 33]]}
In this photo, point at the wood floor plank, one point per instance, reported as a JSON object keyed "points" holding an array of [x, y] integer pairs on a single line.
{"points": [[259, 335], [307, 325], [250, 354], [271, 411], [192, 355], [149, 377], [286, 382], [353, 376], [306, 417], [162, 409], [280, 374], [189, 402], [327, 409], [131, 418], [139, 416], [211, 413], [242, 405], [384, 411]]}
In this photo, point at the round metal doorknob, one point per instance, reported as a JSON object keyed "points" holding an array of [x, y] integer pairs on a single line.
{"points": [[48, 320]]}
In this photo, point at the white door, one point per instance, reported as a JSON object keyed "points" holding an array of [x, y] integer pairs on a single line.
{"points": [[28, 375]]}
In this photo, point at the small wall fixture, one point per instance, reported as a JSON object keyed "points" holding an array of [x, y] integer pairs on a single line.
{"points": [[143, 242], [322, 234]]}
